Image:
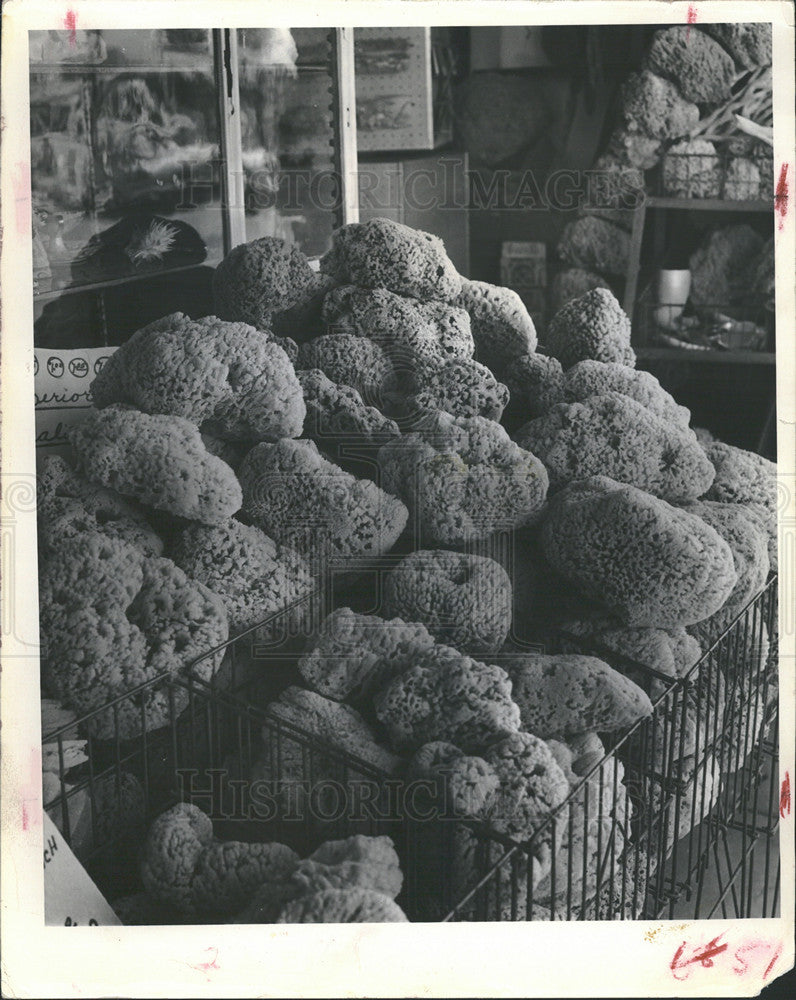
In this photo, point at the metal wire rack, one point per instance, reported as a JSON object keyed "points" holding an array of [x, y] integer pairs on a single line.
{"points": [[700, 769], [739, 171], [744, 325], [680, 812]]}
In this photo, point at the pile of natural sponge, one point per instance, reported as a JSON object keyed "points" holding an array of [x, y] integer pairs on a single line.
{"points": [[688, 75], [226, 470], [113, 618], [479, 724], [190, 875]]}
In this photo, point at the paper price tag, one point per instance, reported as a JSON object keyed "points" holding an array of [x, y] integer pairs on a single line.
{"points": [[62, 379], [71, 899]]}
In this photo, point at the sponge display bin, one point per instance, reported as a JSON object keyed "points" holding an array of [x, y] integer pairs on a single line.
{"points": [[632, 841]]}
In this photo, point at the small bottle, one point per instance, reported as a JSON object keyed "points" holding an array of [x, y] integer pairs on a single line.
{"points": [[57, 246]]}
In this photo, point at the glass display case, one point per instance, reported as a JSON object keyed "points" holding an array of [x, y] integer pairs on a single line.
{"points": [[288, 136], [153, 152]]}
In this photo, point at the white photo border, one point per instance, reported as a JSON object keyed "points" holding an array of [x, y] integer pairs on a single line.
{"points": [[391, 960]]}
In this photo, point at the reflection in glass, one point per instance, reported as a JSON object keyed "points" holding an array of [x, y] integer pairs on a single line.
{"points": [[124, 154], [287, 135]]}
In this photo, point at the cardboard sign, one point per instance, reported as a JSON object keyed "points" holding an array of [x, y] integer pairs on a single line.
{"points": [[71, 899], [62, 380]]}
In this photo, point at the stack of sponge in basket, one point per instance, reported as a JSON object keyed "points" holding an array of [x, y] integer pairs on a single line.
{"points": [[219, 475]]}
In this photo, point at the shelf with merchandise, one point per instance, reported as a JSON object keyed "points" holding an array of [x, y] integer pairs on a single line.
{"points": [[708, 204]]}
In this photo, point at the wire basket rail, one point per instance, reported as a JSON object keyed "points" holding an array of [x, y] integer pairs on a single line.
{"points": [[678, 815], [738, 171], [641, 829]]}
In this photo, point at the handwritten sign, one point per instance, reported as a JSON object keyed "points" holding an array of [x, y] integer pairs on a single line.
{"points": [[62, 379], [71, 899]]}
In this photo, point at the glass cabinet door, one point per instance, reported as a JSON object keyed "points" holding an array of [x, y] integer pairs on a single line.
{"points": [[288, 135], [153, 152], [125, 147]]}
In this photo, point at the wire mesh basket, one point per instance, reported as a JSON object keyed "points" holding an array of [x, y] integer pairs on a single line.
{"points": [[700, 768], [731, 171], [689, 786], [745, 324]]}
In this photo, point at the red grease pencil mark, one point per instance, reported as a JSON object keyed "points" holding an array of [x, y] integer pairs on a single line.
{"points": [[207, 966], [781, 196], [691, 17], [681, 964], [31, 792], [773, 961], [752, 953], [21, 182], [70, 23], [745, 958], [784, 797]]}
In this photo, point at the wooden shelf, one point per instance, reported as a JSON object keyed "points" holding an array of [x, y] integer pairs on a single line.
{"points": [[705, 357], [708, 204], [633, 274]]}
